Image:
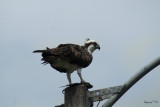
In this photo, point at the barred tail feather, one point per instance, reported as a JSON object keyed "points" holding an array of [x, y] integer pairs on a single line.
{"points": [[39, 51]]}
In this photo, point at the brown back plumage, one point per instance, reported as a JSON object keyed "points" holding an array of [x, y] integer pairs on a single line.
{"points": [[72, 53]]}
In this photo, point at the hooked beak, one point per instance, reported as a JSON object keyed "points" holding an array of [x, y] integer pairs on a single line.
{"points": [[98, 47]]}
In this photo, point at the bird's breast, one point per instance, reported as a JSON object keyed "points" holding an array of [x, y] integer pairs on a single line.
{"points": [[63, 65]]}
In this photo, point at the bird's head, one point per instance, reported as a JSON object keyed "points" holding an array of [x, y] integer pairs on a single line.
{"points": [[91, 45]]}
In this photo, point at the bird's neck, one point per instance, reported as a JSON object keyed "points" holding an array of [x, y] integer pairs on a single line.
{"points": [[91, 49]]}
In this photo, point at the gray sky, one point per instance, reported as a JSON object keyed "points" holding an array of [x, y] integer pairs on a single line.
{"points": [[127, 30]]}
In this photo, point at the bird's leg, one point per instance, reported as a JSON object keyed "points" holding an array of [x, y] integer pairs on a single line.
{"points": [[80, 76], [69, 77]]}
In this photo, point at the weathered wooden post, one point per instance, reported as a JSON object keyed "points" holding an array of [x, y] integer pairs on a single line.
{"points": [[76, 96]]}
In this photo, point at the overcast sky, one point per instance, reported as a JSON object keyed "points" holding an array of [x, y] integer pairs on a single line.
{"points": [[127, 30]]}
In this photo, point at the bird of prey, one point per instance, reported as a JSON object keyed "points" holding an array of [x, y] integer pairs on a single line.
{"points": [[66, 58]]}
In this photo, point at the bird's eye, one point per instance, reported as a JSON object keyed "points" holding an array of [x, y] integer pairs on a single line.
{"points": [[95, 44]]}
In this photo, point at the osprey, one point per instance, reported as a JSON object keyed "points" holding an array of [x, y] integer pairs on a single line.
{"points": [[67, 58]]}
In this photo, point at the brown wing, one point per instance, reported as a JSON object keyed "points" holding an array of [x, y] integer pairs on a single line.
{"points": [[74, 54], [79, 55]]}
